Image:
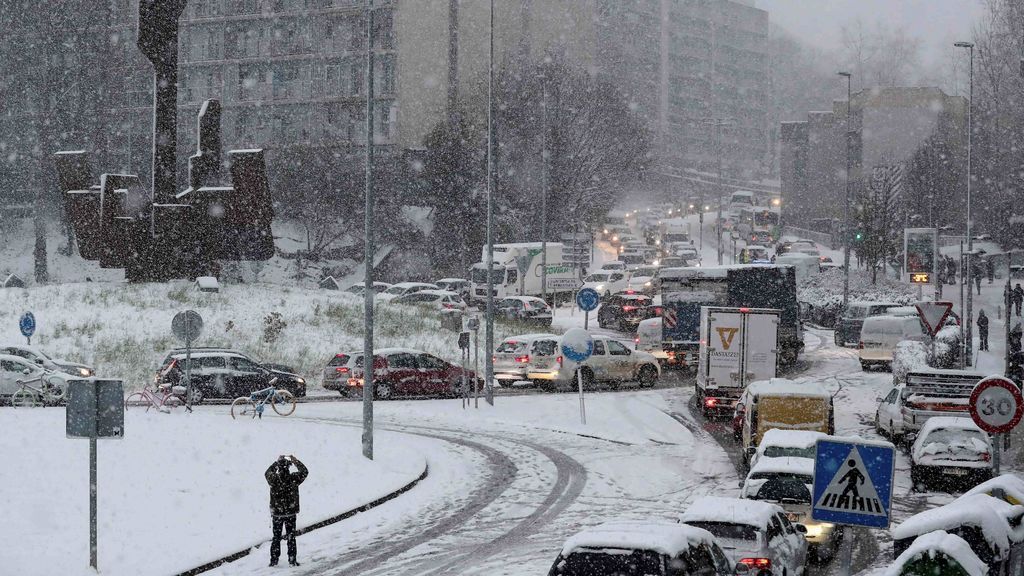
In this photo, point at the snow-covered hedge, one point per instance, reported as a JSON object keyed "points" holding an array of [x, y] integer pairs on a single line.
{"points": [[908, 356], [824, 292]]}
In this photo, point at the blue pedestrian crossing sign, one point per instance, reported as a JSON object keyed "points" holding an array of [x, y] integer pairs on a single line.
{"points": [[853, 481]]}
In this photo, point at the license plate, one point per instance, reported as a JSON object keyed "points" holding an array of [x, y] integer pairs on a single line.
{"points": [[793, 517], [956, 471]]}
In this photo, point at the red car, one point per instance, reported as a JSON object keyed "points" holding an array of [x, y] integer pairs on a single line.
{"points": [[406, 372]]}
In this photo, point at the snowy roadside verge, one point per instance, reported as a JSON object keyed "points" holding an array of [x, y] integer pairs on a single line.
{"points": [[178, 491]]}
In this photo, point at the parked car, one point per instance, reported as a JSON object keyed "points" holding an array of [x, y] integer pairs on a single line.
{"points": [[950, 451], [460, 286], [224, 373], [16, 368], [611, 362], [606, 283], [778, 443], [624, 311], [378, 287], [37, 356], [755, 534], [672, 262], [889, 414], [852, 319], [339, 370], [403, 288], [789, 482], [642, 549], [880, 335], [644, 279], [687, 252], [526, 309], [434, 299], [408, 372], [614, 265], [753, 254], [512, 358]]}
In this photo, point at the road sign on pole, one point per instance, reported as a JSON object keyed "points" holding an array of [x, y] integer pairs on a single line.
{"points": [[27, 324], [95, 410], [564, 283], [577, 346], [853, 482], [996, 406], [587, 299], [187, 326], [934, 315]]}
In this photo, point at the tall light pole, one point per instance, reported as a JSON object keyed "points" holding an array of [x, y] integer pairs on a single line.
{"points": [[368, 255], [718, 123], [544, 186], [489, 334], [968, 265], [846, 203]]}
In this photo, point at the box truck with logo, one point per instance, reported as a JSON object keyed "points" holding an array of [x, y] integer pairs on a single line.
{"points": [[738, 346], [517, 271]]}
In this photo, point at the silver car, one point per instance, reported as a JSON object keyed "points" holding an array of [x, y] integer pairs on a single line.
{"points": [[512, 357]]}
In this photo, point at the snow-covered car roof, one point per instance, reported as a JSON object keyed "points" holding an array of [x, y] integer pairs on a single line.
{"points": [[451, 280], [1011, 485], [731, 510], [413, 285], [19, 360], [783, 465], [386, 351], [948, 422], [660, 537], [31, 349], [785, 387], [871, 303], [790, 438], [989, 514], [526, 337], [440, 293], [940, 541], [524, 298]]}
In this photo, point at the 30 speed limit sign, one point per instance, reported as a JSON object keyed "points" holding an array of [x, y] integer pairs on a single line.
{"points": [[996, 405]]}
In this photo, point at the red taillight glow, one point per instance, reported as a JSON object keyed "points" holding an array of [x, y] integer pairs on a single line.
{"points": [[710, 402], [636, 340], [628, 308], [447, 305], [744, 310], [860, 345], [523, 359], [559, 360], [341, 370], [759, 563], [986, 456]]}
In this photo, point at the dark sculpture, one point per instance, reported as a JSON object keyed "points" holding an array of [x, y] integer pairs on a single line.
{"points": [[158, 234]]}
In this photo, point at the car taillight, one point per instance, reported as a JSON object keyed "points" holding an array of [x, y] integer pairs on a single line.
{"points": [[447, 305], [341, 370], [636, 340], [759, 563], [860, 345], [710, 402], [628, 308], [523, 359], [986, 456], [559, 360]]}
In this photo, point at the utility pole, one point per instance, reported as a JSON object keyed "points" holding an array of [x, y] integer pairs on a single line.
{"points": [[544, 186], [368, 251], [718, 123], [846, 202], [968, 264], [489, 333]]}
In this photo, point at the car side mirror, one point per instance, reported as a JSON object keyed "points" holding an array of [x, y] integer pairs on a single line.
{"points": [[741, 569], [800, 528], [26, 371], [751, 450]]}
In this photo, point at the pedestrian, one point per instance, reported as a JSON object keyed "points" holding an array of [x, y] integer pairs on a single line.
{"points": [[951, 269], [982, 331], [977, 281], [1015, 336], [1018, 298], [990, 269], [284, 503]]}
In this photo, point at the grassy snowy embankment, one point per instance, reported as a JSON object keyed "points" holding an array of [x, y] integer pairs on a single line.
{"points": [[125, 329]]}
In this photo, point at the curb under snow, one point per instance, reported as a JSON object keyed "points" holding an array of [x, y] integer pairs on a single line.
{"points": [[315, 526]]}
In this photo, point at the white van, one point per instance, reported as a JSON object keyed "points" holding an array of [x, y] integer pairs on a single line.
{"points": [[880, 335], [648, 339]]}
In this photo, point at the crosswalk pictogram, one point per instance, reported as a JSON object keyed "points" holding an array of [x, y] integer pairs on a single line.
{"points": [[851, 489]]}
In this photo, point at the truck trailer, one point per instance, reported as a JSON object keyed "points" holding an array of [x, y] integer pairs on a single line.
{"points": [[517, 270], [738, 346]]}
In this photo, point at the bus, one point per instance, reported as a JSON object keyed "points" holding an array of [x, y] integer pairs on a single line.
{"points": [[765, 225], [739, 200]]}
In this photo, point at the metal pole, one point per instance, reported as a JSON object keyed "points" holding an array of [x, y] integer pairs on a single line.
{"points": [[188, 366], [970, 239], [583, 406], [997, 446], [489, 333], [368, 250], [544, 191], [476, 363], [846, 203], [93, 538], [845, 552], [964, 328], [586, 320], [721, 186], [1007, 302], [465, 367]]}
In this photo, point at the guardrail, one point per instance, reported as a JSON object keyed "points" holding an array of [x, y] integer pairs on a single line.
{"points": [[819, 237]]}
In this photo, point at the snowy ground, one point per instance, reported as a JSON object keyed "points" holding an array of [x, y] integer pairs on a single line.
{"points": [[179, 490]]}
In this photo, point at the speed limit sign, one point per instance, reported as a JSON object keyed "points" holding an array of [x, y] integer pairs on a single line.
{"points": [[996, 405]]}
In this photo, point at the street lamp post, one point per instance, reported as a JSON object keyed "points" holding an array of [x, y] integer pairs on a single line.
{"points": [[368, 291], [489, 333], [846, 203], [965, 325], [718, 123], [544, 188]]}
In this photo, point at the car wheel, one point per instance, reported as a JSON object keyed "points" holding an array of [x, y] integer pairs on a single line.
{"points": [[197, 395], [864, 366], [836, 339], [915, 478], [383, 391], [648, 376]]}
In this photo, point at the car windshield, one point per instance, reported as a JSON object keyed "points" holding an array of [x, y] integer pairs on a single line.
{"points": [[645, 272], [511, 347], [596, 278], [782, 487], [545, 347], [728, 530], [395, 290], [957, 436], [784, 451], [620, 562], [339, 360]]}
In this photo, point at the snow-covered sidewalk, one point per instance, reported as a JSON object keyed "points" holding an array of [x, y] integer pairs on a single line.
{"points": [[178, 491]]}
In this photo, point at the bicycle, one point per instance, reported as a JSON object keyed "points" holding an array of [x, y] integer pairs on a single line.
{"points": [[282, 401], [47, 394], [164, 399]]}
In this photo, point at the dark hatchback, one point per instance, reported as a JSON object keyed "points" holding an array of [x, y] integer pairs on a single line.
{"points": [[221, 373]]}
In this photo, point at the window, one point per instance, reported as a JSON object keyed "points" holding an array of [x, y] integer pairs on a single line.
{"points": [[774, 529], [786, 524], [339, 360], [513, 276], [430, 362], [728, 530], [240, 364], [8, 366], [702, 561], [598, 348], [617, 349], [891, 398], [545, 348], [402, 361], [616, 277]]}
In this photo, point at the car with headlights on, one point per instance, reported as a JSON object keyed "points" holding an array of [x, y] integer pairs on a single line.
{"points": [[950, 452], [789, 482], [756, 534], [224, 373], [611, 362], [512, 358], [37, 356], [606, 282], [16, 369]]}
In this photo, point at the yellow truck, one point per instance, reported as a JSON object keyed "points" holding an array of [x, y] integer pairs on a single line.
{"points": [[781, 404]]}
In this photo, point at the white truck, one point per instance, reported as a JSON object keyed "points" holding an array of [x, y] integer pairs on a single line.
{"points": [[738, 346], [518, 271]]}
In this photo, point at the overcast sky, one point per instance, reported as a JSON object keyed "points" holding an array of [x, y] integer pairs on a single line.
{"points": [[936, 22]]}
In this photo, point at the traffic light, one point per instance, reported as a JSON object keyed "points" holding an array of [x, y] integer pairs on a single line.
{"points": [[858, 236]]}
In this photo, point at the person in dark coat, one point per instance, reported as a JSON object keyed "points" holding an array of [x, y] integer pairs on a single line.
{"points": [[990, 270], [976, 274], [1018, 298], [284, 504], [1015, 337], [982, 331]]}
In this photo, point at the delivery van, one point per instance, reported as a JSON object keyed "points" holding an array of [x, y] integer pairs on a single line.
{"points": [[782, 404]]}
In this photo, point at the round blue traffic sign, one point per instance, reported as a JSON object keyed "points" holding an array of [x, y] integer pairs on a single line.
{"points": [[27, 324], [577, 345], [588, 299]]}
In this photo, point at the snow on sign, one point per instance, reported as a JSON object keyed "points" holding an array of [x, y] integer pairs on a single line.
{"points": [[853, 481], [933, 314], [996, 405]]}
